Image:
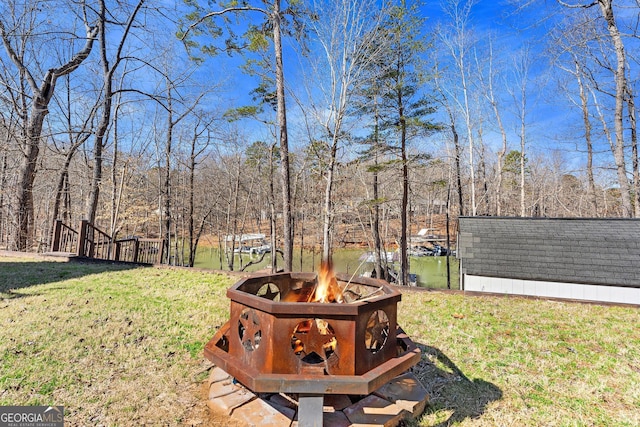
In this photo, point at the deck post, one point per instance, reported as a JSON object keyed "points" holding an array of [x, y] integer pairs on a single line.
{"points": [[161, 251], [57, 229], [136, 248], [82, 237]]}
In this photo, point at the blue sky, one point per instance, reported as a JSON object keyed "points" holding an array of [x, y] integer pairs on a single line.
{"points": [[551, 123]]}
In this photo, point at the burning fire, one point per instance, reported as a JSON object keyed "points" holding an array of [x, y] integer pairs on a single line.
{"points": [[327, 289]]}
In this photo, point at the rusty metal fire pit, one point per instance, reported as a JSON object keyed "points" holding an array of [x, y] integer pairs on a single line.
{"points": [[279, 341]]}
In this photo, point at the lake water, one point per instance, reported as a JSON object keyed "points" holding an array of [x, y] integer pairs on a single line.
{"points": [[431, 271]]}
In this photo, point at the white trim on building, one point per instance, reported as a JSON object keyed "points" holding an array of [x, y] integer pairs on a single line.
{"points": [[536, 288]]}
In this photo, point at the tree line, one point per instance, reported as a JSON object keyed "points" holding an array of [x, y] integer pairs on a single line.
{"points": [[359, 121]]}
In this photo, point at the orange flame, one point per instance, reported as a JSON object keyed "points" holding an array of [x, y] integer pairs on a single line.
{"points": [[327, 289]]}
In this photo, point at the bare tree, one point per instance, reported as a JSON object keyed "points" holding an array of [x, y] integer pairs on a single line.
{"points": [[17, 28], [109, 69], [75, 138], [171, 103], [488, 87], [458, 41], [633, 126], [620, 78], [445, 101], [584, 106], [522, 63], [349, 43], [198, 147], [274, 14]]}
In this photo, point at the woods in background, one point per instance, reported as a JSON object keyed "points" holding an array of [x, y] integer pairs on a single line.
{"points": [[171, 121]]}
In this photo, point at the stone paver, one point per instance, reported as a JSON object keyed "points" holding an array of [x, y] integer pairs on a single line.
{"points": [[258, 413], [335, 419], [225, 396], [218, 374], [336, 402], [281, 400], [331, 419], [405, 391], [401, 398], [375, 411]]}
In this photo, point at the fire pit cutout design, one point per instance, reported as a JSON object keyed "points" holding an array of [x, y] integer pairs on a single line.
{"points": [[249, 330], [377, 332], [314, 341], [270, 291]]}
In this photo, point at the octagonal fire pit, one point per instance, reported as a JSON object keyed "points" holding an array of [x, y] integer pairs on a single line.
{"points": [[312, 335]]}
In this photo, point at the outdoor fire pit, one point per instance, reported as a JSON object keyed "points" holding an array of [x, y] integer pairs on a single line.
{"points": [[312, 335]]}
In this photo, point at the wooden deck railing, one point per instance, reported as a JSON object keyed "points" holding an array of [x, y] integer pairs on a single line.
{"points": [[65, 238], [91, 242], [150, 251], [140, 250], [126, 249]]}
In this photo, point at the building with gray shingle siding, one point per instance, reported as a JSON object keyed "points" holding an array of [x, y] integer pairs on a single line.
{"points": [[575, 258]]}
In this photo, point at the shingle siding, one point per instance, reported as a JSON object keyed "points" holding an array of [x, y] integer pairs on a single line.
{"points": [[592, 251]]}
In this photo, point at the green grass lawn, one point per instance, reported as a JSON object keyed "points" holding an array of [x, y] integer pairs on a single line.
{"points": [[122, 345], [115, 345]]}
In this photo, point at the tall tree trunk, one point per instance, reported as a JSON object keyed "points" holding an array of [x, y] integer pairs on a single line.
{"points": [[167, 174], [522, 65], [457, 158], [272, 214], [503, 134], [470, 140], [584, 104], [500, 173], [484, 200], [281, 114], [105, 118], [114, 180], [3, 181], [108, 71], [193, 236], [631, 106], [522, 164], [28, 163], [404, 223], [327, 211], [621, 88], [62, 186], [63, 179], [191, 209], [404, 243], [381, 272], [232, 218]]}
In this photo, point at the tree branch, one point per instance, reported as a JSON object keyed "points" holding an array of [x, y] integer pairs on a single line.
{"points": [[220, 13], [75, 62], [578, 6], [15, 59]]}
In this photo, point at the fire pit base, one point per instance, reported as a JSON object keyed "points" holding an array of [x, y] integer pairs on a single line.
{"points": [[401, 398]]}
